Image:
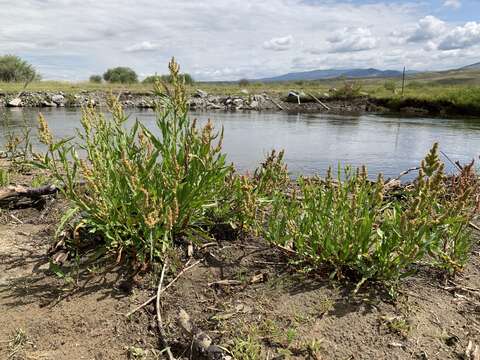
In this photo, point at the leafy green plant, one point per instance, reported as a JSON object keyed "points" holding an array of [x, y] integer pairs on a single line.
{"points": [[349, 225], [141, 191], [4, 177], [245, 198], [247, 349], [39, 180], [18, 150]]}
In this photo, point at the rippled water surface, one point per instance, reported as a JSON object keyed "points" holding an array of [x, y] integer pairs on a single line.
{"points": [[312, 142]]}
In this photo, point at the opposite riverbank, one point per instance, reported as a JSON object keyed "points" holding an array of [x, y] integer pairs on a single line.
{"points": [[449, 94], [246, 101]]}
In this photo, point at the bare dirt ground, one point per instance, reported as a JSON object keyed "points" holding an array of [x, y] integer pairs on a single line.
{"points": [[265, 310]]}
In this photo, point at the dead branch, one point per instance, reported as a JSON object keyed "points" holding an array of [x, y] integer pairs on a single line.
{"points": [[403, 173], [161, 330], [226, 282], [15, 194], [275, 103], [164, 289], [318, 101]]}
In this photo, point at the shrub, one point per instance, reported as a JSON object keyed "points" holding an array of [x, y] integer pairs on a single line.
{"points": [[243, 82], [349, 90], [351, 226], [187, 78], [390, 85], [245, 197], [142, 191], [123, 75], [14, 69], [97, 79], [4, 177]]}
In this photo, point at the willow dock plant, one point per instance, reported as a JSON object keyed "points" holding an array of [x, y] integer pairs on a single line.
{"points": [[139, 192], [354, 226]]}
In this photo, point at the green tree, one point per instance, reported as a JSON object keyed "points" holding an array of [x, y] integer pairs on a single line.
{"points": [[97, 79], [14, 69], [121, 74], [243, 82]]}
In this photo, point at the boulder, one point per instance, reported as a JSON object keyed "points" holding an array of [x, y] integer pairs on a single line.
{"points": [[200, 93], [17, 102], [58, 99], [259, 98], [244, 91]]}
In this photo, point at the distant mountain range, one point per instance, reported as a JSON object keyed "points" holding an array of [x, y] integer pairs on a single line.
{"points": [[332, 74], [471, 67], [347, 73]]}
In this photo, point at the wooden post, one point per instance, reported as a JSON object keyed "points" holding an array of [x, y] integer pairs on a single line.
{"points": [[403, 81]]}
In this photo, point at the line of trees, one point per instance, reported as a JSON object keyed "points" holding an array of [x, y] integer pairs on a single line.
{"points": [[15, 69], [126, 75]]}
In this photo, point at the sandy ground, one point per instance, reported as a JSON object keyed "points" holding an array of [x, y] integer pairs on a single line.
{"points": [[269, 312]]}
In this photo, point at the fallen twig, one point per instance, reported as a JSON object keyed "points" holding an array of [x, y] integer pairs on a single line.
{"points": [[225, 282], [163, 336], [165, 288], [450, 160], [403, 173], [471, 224]]}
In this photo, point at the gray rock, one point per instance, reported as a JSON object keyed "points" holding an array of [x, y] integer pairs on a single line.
{"points": [[254, 104], [244, 91], [58, 99], [200, 93], [17, 102], [259, 98]]}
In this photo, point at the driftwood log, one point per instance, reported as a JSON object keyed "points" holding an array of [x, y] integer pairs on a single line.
{"points": [[18, 196]]}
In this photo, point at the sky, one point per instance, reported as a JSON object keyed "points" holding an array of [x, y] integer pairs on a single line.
{"points": [[233, 39]]}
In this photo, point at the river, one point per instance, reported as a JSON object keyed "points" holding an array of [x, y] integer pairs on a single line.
{"points": [[311, 142]]}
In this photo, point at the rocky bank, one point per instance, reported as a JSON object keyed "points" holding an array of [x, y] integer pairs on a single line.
{"points": [[198, 101]]}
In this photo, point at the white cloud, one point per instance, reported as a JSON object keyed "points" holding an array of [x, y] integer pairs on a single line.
{"points": [[427, 28], [461, 37], [143, 46], [454, 4], [352, 39], [64, 41], [279, 43]]}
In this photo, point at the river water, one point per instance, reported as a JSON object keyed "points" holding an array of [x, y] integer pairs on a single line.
{"points": [[312, 142]]}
